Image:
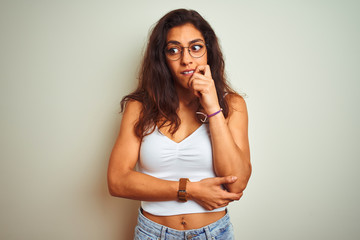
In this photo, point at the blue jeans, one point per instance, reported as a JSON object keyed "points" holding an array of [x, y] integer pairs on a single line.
{"points": [[149, 230]]}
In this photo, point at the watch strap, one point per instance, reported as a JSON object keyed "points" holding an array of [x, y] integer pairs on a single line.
{"points": [[182, 194]]}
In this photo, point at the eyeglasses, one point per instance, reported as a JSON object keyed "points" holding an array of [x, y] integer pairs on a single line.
{"points": [[174, 51]]}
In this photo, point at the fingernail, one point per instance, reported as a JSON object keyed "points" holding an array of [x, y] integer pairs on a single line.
{"points": [[234, 178]]}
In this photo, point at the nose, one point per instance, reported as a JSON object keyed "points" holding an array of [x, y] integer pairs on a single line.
{"points": [[186, 58]]}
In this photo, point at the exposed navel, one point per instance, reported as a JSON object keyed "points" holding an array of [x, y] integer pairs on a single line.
{"points": [[183, 221]]}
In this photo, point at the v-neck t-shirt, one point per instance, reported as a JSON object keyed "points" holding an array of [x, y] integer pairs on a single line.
{"points": [[166, 159]]}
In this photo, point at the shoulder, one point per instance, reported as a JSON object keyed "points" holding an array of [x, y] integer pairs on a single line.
{"points": [[237, 119], [133, 107], [132, 111], [236, 103]]}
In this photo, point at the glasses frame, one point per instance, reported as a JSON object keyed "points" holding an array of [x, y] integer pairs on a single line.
{"points": [[189, 51]]}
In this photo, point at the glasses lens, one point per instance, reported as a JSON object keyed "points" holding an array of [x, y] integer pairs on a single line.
{"points": [[173, 52], [197, 49]]}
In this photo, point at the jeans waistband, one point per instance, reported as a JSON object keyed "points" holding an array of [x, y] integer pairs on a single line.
{"points": [[160, 230]]}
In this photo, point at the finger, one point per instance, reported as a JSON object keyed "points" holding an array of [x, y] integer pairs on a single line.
{"points": [[224, 204], [201, 80], [233, 196], [209, 207], [201, 75], [195, 77], [227, 179], [191, 81], [200, 87], [195, 89], [198, 78], [200, 69], [207, 71], [204, 69], [198, 82]]}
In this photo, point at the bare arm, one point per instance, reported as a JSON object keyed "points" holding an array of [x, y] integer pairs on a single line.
{"points": [[124, 181], [231, 145], [229, 137]]}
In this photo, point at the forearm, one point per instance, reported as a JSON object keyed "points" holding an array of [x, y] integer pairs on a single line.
{"points": [[228, 158], [139, 186]]}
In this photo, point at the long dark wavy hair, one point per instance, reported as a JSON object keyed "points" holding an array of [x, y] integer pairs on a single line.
{"points": [[156, 89]]}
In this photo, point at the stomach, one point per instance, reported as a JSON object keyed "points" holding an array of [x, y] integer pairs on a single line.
{"points": [[186, 221]]}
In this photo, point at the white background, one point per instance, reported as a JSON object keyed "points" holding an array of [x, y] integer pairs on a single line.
{"points": [[65, 65]]}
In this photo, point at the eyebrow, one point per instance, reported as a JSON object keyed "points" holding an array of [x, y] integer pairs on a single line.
{"points": [[192, 41]]}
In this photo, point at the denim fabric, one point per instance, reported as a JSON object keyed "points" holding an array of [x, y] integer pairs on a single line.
{"points": [[149, 230]]}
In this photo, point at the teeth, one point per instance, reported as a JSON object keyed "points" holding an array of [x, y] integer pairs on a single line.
{"points": [[188, 72]]}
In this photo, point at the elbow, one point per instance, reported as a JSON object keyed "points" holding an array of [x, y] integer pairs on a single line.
{"points": [[242, 181], [242, 186], [113, 190], [116, 190], [119, 183], [114, 186], [236, 187]]}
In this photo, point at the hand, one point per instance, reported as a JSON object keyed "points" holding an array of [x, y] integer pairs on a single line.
{"points": [[209, 193], [203, 87]]}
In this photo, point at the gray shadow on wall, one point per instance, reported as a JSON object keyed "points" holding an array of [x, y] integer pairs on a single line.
{"points": [[120, 215], [128, 210]]}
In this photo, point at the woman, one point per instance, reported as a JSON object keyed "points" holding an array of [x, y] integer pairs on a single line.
{"points": [[187, 131]]}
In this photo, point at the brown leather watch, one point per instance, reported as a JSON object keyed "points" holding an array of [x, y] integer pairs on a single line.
{"points": [[182, 194]]}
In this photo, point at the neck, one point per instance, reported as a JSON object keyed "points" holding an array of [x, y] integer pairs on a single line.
{"points": [[186, 97]]}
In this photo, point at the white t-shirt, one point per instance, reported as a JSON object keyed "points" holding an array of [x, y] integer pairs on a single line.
{"points": [[163, 158]]}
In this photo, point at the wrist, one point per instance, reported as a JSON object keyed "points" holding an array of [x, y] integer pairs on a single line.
{"points": [[212, 110], [191, 190], [206, 117], [215, 113]]}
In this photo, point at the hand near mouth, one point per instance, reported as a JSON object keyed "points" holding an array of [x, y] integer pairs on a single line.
{"points": [[203, 86]]}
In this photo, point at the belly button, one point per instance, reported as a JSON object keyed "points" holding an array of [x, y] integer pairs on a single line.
{"points": [[183, 222]]}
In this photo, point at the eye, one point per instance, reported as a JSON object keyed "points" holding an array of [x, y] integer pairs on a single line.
{"points": [[196, 47], [173, 50]]}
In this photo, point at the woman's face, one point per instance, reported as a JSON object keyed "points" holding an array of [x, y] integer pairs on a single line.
{"points": [[184, 36]]}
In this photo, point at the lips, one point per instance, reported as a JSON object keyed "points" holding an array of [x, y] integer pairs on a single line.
{"points": [[188, 72]]}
